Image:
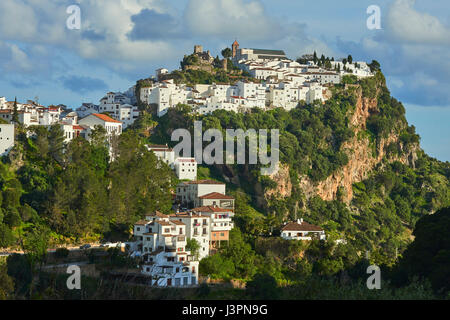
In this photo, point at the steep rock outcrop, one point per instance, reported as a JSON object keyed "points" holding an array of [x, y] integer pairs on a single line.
{"points": [[363, 158]]}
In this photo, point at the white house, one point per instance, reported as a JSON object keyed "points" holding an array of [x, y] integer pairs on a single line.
{"points": [[118, 106], [186, 168], [301, 230], [221, 223], [112, 126], [161, 241], [163, 153], [197, 227], [189, 192], [6, 138], [215, 199], [86, 109]]}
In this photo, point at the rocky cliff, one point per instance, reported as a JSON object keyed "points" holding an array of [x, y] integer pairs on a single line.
{"points": [[363, 156]]}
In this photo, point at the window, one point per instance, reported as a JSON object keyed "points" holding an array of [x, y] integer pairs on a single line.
{"points": [[138, 229]]}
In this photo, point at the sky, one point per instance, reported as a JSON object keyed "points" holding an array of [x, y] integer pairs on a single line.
{"points": [[121, 41]]}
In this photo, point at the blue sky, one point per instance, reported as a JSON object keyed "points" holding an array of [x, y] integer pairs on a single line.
{"points": [[122, 41]]}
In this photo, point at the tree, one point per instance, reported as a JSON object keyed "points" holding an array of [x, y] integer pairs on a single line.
{"points": [[263, 287], [19, 269], [227, 53], [6, 283], [193, 246], [35, 245], [428, 256], [374, 66], [56, 142], [15, 115], [350, 59], [217, 267]]}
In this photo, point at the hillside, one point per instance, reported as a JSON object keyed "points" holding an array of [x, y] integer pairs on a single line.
{"points": [[352, 165]]}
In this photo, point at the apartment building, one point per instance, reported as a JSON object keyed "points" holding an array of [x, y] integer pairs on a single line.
{"points": [[161, 241]]}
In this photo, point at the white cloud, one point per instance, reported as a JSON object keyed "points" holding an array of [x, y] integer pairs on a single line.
{"points": [[45, 24], [245, 20], [408, 25]]}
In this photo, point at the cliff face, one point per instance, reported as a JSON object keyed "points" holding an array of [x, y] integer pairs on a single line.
{"points": [[362, 159]]}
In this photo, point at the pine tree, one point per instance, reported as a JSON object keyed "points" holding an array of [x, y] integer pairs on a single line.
{"points": [[15, 115], [350, 59]]}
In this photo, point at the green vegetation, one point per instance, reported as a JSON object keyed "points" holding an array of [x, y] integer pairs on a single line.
{"points": [[75, 191], [52, 193]]}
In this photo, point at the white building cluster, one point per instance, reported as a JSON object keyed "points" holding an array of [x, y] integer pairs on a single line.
{"points": [[161, 239], [185, 167], [30, 113], [280, 82], [119, 106]]}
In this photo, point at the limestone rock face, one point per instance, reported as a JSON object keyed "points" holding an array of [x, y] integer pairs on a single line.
{"points": [[363, 158]]}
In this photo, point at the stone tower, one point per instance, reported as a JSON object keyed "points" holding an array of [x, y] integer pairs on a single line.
{"points": [[235, 48], [225, 64], [198, 48]]}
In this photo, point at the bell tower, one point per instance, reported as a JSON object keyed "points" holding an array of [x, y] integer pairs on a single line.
{"points": [[235, 48]]}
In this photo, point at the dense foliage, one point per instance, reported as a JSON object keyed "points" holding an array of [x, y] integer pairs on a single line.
{"points": [[75, 190], [52, 192]]}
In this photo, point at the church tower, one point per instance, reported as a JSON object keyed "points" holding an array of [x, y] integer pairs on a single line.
{"points": [[235, 48]]}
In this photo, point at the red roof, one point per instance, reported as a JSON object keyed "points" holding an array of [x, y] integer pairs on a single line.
{"points": [[304, 226], [105, 118], [235, 43], [77, 127], [216, 195], [204, 182], [185, 159], [211, 209]]}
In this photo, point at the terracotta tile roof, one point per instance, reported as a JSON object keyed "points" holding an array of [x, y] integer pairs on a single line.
{"points": [[105, 118], [211, 209], [304, 226], [177, 222], [216, 195], [141, 222], [157, 214], [163, 223], [185, 160], [204, 182], [186, 215]]}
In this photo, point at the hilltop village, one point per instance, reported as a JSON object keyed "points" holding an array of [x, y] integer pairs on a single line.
{"points": [[257, 78]]}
